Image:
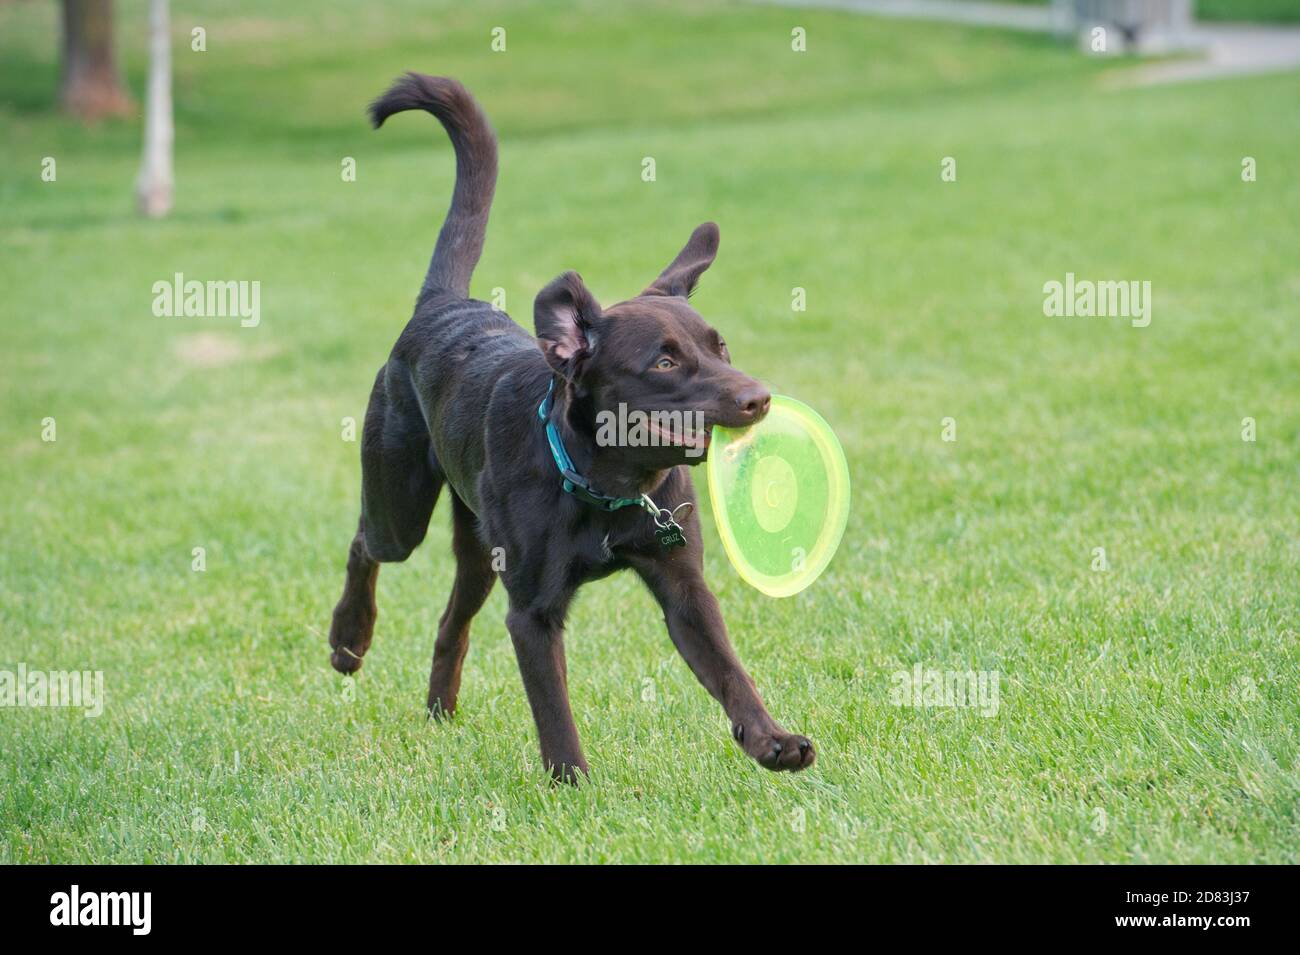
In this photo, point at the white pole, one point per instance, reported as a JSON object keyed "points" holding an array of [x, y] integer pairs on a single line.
{"points": [[154, 187]]}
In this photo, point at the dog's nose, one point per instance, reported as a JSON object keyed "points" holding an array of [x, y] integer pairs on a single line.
{"points": [[754, 401]]}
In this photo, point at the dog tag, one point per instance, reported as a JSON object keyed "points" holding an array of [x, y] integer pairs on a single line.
{"points": [[671, 536]]}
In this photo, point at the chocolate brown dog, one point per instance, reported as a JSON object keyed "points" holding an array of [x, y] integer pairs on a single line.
{"points": [[507, 422]]}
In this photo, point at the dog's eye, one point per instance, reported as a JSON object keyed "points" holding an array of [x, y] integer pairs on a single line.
{"points": [[665, 364]]}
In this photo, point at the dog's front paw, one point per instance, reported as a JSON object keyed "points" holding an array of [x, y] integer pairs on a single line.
{"points": [[775, 749]]}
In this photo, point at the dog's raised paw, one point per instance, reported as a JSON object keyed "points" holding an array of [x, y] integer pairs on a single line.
{"points": [[776, 750], [350, 634], [345, 661]]}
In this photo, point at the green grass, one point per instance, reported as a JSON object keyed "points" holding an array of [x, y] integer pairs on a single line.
{"points": [[1276, 11], [1280, 11], [1161, 693]]}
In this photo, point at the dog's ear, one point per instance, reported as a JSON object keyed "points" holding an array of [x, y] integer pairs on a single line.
{"points": [[684, 271], [563, 315]]}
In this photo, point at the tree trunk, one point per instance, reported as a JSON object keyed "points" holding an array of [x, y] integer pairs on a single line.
{"points": [[153, 189], [92, 87]]}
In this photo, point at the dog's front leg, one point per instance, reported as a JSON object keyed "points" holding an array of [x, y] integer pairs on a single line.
{"points": [[697, 630], [538, 636]]}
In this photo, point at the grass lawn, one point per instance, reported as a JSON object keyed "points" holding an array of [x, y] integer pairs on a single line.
{"points": [[1148, 712], [1277, 11]]}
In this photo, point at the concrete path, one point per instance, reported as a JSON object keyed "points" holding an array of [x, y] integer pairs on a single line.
{"points": [[1217, 49], [1010, 16], [1226, 49]]}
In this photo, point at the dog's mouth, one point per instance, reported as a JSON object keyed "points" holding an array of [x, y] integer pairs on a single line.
{"points": [[691, 438]]}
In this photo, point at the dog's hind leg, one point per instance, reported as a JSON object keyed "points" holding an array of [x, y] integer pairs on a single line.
{"points": [[400, 478], [474, 580], [354, 616], [400, 482]]}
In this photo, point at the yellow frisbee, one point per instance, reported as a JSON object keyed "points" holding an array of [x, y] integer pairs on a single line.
{"points": [[780, 493]]}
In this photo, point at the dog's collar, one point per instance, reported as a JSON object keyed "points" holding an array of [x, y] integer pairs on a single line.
{"points": [[575, 483], [667, 529]]}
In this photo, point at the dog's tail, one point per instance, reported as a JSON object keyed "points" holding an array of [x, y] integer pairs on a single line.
{"points": [[461, 240]]}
